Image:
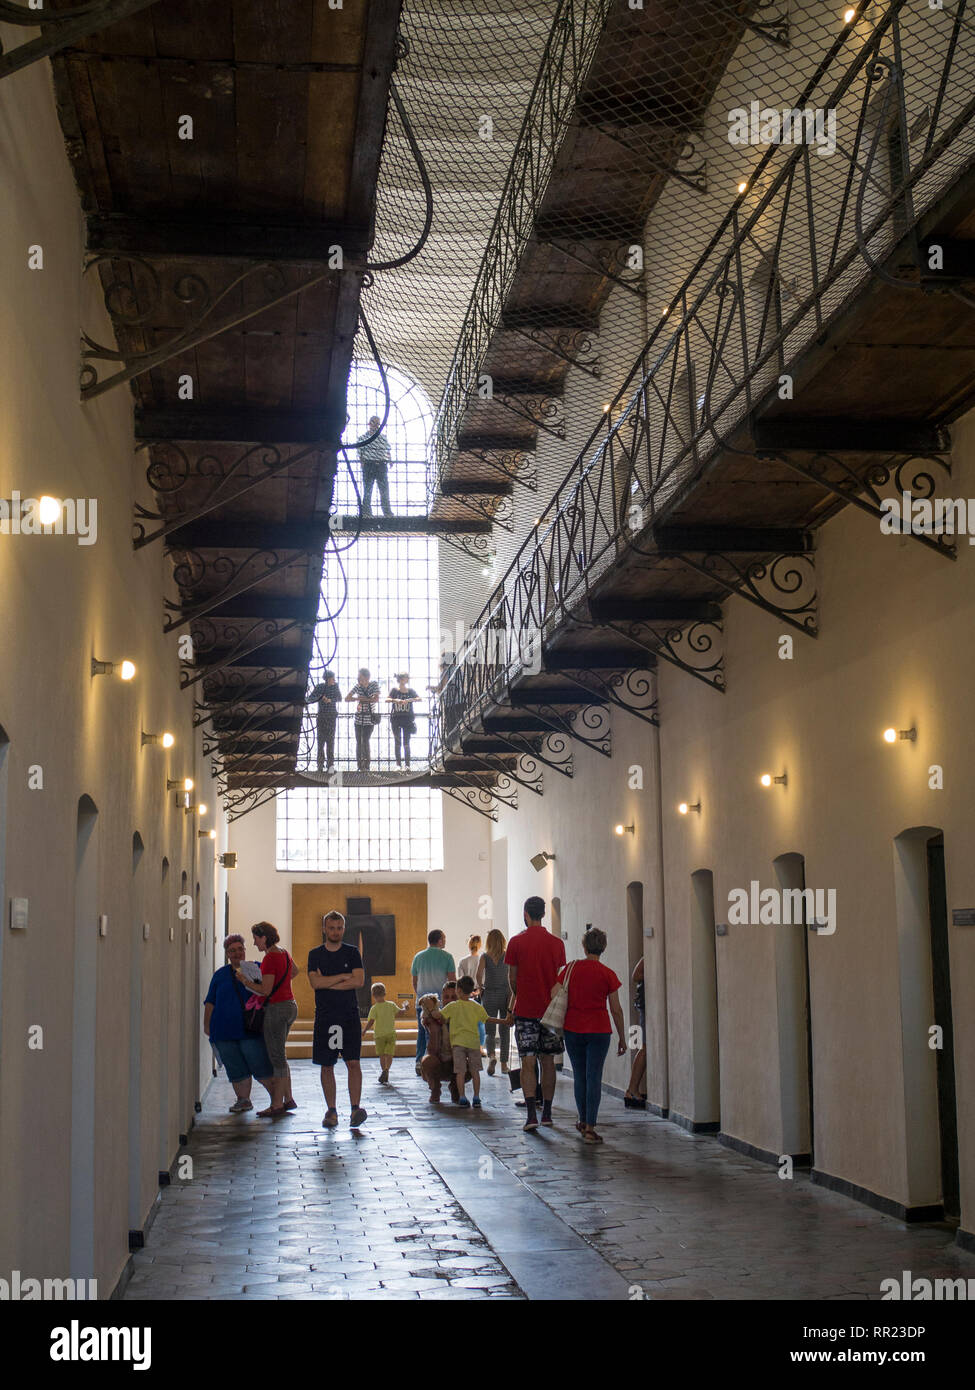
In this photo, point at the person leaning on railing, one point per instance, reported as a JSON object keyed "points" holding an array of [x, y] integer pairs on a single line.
{"points": [[365, 692], [402, 720], [327, 693]]}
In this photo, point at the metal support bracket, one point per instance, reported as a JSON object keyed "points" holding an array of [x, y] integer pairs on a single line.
{"points": [[60, 28], [132, 301], [836, 476]]}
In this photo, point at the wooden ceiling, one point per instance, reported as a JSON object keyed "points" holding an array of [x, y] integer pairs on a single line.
{"points": [[234, 229]]}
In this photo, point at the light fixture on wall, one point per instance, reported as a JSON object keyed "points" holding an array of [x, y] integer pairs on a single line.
{"points": [[768, 780], [166, 740], [624, 829], [686, 806], [206, 834], [179, 784], [125, 670], [538, 861], [228, 860], [892, 735], [200, 808]]}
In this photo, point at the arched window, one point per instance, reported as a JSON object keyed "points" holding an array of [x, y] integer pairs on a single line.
{"points": [[380, 609]]}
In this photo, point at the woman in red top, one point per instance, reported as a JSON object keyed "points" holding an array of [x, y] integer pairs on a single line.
{"points": [[587, 1028], [280, 1012]]}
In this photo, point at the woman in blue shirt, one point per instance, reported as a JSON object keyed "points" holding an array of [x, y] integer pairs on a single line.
{"points": [[243, 1054]]}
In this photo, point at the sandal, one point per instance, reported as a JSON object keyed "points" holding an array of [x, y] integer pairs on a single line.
{"points": [[272, 1111], [580, 1127], [591, 1137]]}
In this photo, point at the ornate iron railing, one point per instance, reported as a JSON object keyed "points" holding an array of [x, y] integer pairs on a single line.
{"points": [[795, 247], [562, 72]]}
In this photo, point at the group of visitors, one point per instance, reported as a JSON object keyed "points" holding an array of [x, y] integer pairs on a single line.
{"points": [[402, 698], [525, 984]]}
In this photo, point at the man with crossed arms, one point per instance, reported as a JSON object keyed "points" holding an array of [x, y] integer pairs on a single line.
{"points": [[335, 972]]}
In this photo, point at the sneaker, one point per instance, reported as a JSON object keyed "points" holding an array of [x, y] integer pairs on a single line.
{"points": [[530, 1124], [331, 1119], [383, 1077], [357, 1117], [239, 1106], [547, 1121], [463, 1103], [476, 1103]]}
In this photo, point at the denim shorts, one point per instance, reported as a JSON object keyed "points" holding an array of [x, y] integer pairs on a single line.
{"points": [[245, 1056]]}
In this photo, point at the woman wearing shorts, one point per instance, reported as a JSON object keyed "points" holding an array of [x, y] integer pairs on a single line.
{"points": [[241, 1054]]}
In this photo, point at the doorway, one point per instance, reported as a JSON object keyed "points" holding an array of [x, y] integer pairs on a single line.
{"points": [[83, 1050], [704, 1003], [927, 1038], [945, 1054], [794, 1015]]}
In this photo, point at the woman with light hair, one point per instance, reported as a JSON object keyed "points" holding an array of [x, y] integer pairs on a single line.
{"points": [[242, 1054], [492, 980]]}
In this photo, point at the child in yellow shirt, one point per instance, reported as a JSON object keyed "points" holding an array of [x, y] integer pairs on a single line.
{"points": [[383, 1015], [463, 1016]]}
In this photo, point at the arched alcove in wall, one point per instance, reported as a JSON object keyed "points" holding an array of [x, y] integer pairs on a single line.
{"points": [[4, 764], [634, 942], [791, 948], [704, 1003], [83, 1042], [136, 985], [923, 957], [166, 947]]}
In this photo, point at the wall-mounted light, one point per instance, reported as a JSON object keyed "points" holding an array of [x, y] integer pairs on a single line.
{"points": [[166, 740], [179, 784], [538, 861], [206, 834], [767, 780], [624, 829], [686, 806], [892, 735], [125, 670], [228, 860]]}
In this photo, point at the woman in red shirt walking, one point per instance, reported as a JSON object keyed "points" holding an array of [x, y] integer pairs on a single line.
{"points": [[591, 987]]}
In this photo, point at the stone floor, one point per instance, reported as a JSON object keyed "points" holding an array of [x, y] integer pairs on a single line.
{"points": [[434, 1202]]}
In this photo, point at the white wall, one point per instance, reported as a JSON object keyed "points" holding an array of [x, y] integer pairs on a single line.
{"points": [[258, 891]]}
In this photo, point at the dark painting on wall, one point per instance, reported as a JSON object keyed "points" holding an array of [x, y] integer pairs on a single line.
{"points": [[374, 936]]}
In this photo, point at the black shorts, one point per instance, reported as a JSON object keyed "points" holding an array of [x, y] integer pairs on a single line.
{"points": [[535, 1040], [336, 1037]]}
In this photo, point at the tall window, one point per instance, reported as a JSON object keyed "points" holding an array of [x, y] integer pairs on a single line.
{"points": [[380, 608]]}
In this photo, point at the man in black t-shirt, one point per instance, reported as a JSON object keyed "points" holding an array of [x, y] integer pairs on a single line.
{"points": [[335, 972]]}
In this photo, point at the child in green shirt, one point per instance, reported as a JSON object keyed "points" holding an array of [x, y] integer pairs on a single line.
{"points": [[383, 1015]]}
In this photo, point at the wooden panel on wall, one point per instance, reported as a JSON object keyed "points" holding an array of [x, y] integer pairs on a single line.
{"points": [[405, 902]]}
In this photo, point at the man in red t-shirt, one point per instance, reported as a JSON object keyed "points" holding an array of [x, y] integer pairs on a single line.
{"points": [[534, 958]]}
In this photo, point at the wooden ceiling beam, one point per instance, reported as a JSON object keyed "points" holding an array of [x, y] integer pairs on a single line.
{"points": [[200, 239]]}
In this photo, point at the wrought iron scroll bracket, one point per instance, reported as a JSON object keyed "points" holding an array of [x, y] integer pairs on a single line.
{"points": [[835, 476], [474, 798]]}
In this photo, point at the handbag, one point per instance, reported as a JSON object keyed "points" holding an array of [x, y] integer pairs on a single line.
{"points": [[257, 1003], [554, 1015]]}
